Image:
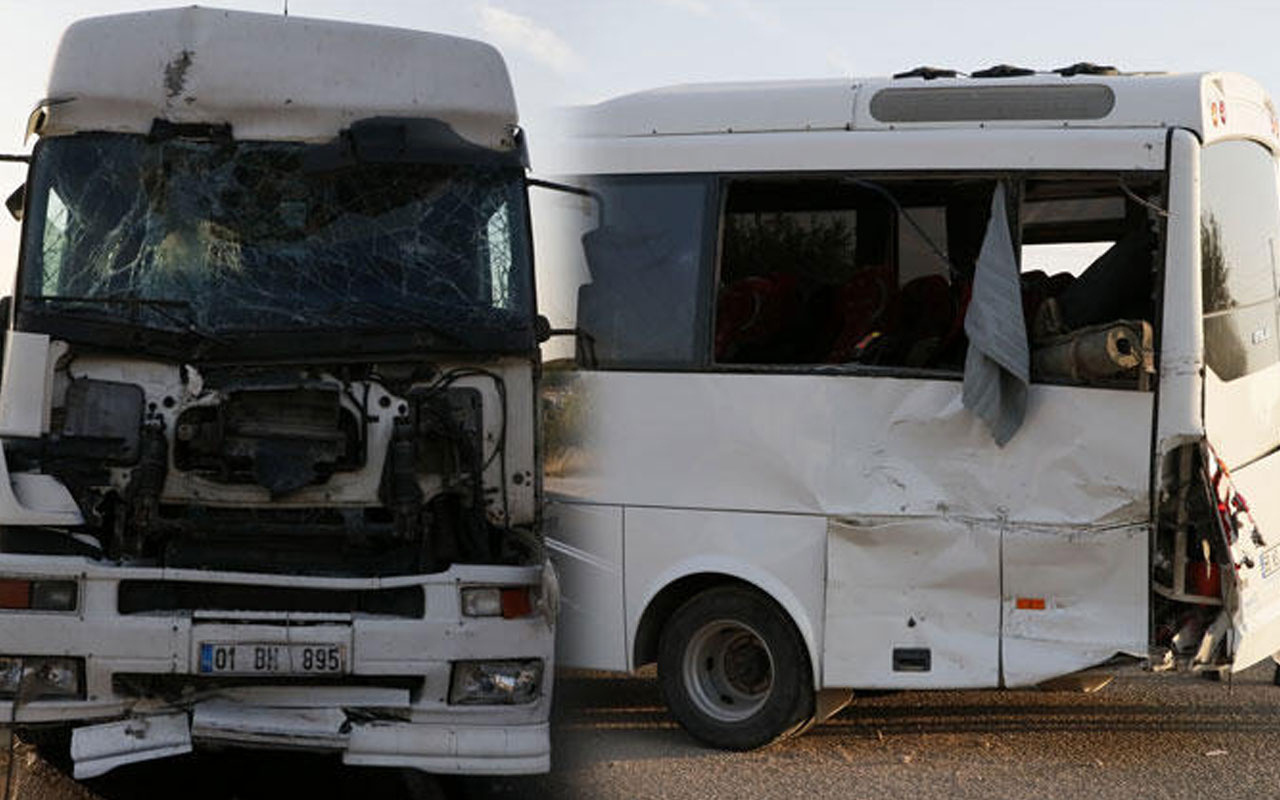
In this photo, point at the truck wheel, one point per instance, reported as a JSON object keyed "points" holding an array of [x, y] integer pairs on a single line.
{"points": [[734, 669]]}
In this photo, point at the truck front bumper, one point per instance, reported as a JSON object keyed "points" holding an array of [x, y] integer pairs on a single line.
{"points": [[147, 692], [432, 747]]}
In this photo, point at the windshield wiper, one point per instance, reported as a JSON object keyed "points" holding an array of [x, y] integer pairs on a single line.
{"points": [[160, 305]]}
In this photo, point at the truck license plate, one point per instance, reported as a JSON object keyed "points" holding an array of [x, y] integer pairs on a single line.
{"points": [[242, 658]]}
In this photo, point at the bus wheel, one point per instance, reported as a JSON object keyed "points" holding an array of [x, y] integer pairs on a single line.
{"points": [[734, 669]]}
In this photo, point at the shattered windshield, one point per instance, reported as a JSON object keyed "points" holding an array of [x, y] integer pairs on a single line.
{"points": [[219, 238]]}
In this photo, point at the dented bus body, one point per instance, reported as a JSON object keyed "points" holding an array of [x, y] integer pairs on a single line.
{"points": [[268, 401], [932, 382]]}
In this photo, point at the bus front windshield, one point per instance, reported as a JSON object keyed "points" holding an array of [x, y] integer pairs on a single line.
{"points": [[231, 238]]}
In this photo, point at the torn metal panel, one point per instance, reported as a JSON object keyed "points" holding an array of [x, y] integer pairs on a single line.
{"points": [[302, 727], [318, 696], [1252, 523], [912, 603], [98, 749], [859, 445], [1072, 597]]}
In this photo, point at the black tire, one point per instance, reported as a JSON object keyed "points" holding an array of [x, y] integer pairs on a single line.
{"points": [[734, 670]]}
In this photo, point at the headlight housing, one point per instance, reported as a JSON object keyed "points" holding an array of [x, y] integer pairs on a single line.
{"points": [[495, 683], [40, 595], [41, 677], [508, 602]]}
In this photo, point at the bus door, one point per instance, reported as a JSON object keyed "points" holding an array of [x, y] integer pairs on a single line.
{"points": [[1240, 466]]}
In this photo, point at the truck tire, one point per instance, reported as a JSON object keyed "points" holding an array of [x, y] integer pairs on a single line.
{"points": [[734, 670]]}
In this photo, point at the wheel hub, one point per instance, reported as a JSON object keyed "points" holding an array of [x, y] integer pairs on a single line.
{"points": [[729, 670]]}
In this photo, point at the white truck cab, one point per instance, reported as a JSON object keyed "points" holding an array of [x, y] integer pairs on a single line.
{"points": [[267, 401]]}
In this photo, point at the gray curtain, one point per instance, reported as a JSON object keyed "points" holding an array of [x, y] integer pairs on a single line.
{"points": [[997, 367]]}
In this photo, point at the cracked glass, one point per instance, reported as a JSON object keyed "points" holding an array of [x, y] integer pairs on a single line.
{"points": [[220, 237]]}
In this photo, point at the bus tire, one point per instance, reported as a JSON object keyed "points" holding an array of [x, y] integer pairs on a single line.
{"points": [[734, 670]]}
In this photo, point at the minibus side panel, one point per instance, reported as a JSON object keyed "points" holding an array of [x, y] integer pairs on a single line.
{"points": [[858, 445], [830, 452], [911, 602], [1073, 597], [782, 555]]}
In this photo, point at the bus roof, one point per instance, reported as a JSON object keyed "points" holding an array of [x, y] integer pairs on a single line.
{"points": [[1213, 105], [269, 76]]}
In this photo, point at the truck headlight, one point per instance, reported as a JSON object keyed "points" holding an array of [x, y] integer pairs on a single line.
{"points": [[25, 595], [508, 602], [41, 677], [485, 683]]}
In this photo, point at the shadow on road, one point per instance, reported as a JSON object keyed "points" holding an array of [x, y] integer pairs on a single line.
{"points": [[612, 732], [594, 704]]}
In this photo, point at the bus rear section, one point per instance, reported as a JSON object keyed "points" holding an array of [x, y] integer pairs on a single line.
{"points": [[910, 397]]}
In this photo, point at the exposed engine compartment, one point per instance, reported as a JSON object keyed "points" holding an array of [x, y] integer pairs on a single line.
{"points": [[281, 438], [350, 469]]}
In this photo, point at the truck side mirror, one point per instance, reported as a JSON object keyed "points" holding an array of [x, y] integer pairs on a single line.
{"points": [[542, 329], [6, 308], [16, 201]]}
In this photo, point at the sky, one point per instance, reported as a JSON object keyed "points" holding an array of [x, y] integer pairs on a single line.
{"points": [[567, 52]]}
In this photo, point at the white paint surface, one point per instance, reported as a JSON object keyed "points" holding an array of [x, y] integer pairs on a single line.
{"points": [[912, 582], [586, 543], [271, 77]]}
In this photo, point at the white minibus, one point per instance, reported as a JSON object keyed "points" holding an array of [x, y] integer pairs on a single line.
{"points": [[927, 382]]}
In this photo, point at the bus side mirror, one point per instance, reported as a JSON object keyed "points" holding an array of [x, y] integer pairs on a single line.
{"points": [[15, 203]]}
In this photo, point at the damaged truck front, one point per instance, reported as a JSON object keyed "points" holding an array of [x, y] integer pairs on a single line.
{"points": [[269, 475]]}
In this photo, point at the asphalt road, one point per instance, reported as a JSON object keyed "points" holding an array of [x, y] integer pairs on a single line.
{"points": [[1145, 735]]}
